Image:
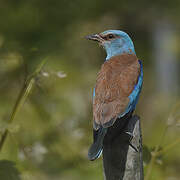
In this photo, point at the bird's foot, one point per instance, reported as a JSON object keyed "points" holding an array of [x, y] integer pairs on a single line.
{"points": [[130, 141]]}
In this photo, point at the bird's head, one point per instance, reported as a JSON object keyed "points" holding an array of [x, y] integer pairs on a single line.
{"points": [[115, 42]]}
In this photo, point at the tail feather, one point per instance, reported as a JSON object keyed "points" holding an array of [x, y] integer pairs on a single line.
{"points": [[96, 148]]}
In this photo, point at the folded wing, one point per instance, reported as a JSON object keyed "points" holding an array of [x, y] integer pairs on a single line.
{"points": [[113, 96]]}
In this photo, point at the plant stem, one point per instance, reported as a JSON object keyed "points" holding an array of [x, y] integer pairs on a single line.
{"points": [[154, 155], [157, 152], [26, 89], [177, 141], [148, 174]]}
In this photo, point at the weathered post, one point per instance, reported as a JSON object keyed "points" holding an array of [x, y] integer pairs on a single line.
{"points": [[121, 160]]}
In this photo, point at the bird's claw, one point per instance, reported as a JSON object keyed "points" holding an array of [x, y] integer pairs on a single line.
{"points": [[135, 148], [131, 136]]}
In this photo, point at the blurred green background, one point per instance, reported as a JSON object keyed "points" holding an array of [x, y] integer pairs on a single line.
{"points": [[51, 134]]}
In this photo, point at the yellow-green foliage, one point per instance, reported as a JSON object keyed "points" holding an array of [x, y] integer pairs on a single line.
{"points": [[50, 133]]}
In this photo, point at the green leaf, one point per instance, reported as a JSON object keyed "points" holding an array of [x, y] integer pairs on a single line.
{"points": [[146, 155], [8, 171]]}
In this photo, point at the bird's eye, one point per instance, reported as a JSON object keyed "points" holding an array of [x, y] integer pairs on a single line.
{"points": [[110, 36]]}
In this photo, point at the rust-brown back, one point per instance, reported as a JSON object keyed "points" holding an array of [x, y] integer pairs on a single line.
{"points": [[114, 84]]}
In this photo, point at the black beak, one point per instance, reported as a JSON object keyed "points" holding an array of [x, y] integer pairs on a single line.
{"points": [[94, 37]]}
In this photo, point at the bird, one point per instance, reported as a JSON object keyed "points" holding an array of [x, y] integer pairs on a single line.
{"points": [[118, 85]]}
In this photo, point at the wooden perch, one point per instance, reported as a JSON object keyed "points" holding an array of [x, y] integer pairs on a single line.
{"points": [[121, 160]]}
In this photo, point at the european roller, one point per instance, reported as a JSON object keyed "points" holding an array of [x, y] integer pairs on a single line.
{"points": [[118, 85]]}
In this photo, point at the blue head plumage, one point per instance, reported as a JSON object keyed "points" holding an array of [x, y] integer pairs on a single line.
{"points": [[115, 42]]}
